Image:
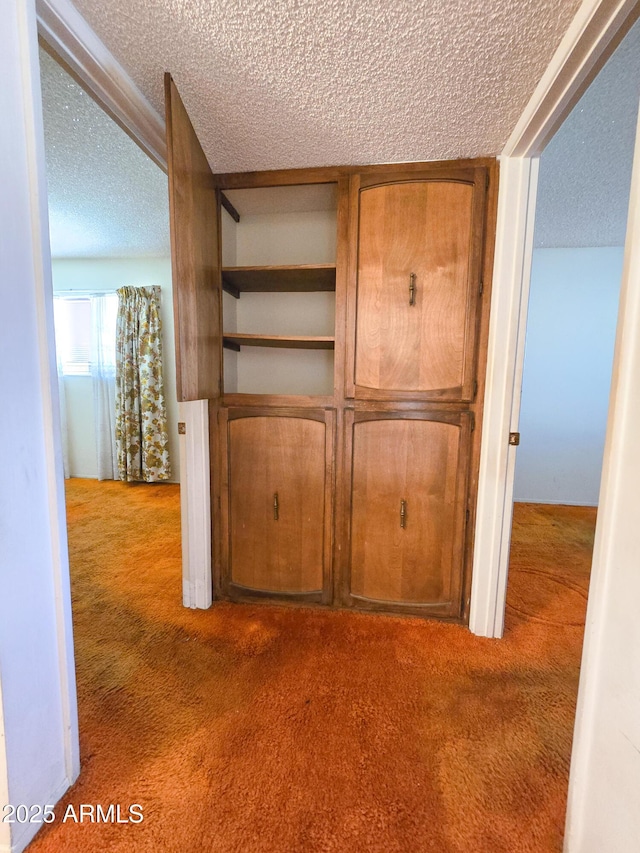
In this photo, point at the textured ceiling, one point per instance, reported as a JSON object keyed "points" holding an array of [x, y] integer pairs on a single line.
{"points": [[303, 83], [106, 197], [585, 171], [289, 83]]}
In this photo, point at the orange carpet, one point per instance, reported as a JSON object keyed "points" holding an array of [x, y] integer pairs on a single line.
{"points": [[275, 730]]}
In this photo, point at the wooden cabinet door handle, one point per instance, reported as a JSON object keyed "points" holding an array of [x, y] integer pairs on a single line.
{"points": [[276, 507], [412, 289], [403, 514]]}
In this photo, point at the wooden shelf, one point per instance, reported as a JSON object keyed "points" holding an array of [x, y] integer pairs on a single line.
{"points": [[301, 278], [236, 340]]}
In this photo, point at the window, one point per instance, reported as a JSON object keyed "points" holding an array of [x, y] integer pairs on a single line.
{"points": [[85, 332], [73, 334]]}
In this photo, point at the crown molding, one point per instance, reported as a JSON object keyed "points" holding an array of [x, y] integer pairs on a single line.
{"points": [[596, 30], [69, 37]]}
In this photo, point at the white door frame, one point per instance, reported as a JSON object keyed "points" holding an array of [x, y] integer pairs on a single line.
{"points": [[39, 747], [589, 41], [604, 780]]}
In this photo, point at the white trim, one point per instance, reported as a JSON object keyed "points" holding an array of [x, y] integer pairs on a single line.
{"points": [[26, 832], [614, 560], [195, 505], [5, 828], [558, 503], [49, 395], [581, 53], [512, 265], [65, 30], [30, 264]]}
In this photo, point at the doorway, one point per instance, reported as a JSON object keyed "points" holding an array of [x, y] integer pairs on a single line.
{"points": [[109, 228], [581, 220]]}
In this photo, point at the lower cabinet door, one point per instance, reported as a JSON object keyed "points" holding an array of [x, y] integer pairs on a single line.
{"points": [[278, 496], [408, 510]]}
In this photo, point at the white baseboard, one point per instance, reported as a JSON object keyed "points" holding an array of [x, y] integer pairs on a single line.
{"points": [[555, 503], [195, 505], [26, 832]]}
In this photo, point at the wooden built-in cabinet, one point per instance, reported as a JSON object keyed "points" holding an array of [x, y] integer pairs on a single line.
{"points": [[346, 379], [277, 469], [291, 278], [408, 509], [295, 278]]}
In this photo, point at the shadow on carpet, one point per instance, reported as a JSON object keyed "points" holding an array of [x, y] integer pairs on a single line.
{"points": [[277, 730]]}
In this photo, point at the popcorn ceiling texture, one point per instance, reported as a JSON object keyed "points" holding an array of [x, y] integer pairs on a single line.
{"points": [[291, 83], [585, 171], [106, 197], [275, 85]]}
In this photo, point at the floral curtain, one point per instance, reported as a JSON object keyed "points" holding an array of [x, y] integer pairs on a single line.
{"points": [[142, 439]]}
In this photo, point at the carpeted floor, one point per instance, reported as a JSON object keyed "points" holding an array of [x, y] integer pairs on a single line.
{"points": [[277, 730]]}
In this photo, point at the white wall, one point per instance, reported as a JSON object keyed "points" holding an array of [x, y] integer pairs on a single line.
{"points": [[287, 238], [280, 238], [264, 370], [604, 783], [109, 274], [80, 425], [567, 374], [38, 718]]}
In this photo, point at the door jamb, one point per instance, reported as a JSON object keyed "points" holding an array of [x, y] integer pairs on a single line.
{"points": [[596, 30]]}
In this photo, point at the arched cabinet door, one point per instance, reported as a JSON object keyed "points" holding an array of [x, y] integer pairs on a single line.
{"points": [[277, 480], [408, 510], [418, 270]]}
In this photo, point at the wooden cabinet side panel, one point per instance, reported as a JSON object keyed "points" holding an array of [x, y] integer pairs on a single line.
{"points": [[194, 217]]}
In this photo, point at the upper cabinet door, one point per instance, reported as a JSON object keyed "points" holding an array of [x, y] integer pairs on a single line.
{"points": [[418, 273], [195, 237]]}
